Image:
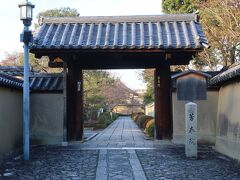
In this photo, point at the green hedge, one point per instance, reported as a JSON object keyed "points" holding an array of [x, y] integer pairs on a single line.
{"points": [[135, 116], [150, 128], [142, 121], [144, 126], [105, 118], [114, 116]]}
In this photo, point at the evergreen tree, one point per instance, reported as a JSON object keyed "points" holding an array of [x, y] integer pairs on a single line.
{"points": [[179, 6]]}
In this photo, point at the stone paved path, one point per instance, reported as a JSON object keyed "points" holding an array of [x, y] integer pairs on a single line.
{"points": [[122, 133], [120, 152]]}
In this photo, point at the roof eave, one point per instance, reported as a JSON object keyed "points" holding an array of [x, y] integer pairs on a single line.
{"points": [[68, 50]]}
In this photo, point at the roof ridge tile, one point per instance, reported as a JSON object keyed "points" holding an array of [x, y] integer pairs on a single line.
{"points": [[120, 19]]}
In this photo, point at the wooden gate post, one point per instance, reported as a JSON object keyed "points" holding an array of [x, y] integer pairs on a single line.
{"points": [[70, 103], [79, 105], [64, 143], [74, 102], [163, 118]]}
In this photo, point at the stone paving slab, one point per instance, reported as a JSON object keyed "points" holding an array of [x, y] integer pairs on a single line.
{"points": [[119, 165], [169, 162]]}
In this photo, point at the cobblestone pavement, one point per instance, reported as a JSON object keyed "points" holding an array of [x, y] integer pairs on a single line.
{"points": [[169, 162], [54, 163], [120, 152]]}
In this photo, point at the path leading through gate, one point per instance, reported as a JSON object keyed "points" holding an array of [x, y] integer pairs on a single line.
{"points": [[122, 133]]}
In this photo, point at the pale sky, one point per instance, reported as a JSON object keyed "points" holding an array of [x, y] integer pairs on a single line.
{"points": [[11, 26]]}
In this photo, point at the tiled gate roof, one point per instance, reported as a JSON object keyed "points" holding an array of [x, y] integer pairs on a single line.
{"points": [[121, 32]]}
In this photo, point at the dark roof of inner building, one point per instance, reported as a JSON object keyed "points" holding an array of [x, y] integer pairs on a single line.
{"points": [[37, 82], [181, 31], [46, 82], [207, 74], [12, 70], [9, 81], [15, 70], [231, 73], [177, 75]]}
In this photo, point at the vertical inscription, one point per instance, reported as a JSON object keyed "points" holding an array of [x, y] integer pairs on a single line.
{"points": [[158, 81], [191, 130]]}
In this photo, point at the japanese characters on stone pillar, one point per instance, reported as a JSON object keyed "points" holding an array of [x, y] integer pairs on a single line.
{"points": [[191, 86], [191, 129]]}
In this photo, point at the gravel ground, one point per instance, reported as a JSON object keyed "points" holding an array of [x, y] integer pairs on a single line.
{"points": [[53, 163], [169, 162]]}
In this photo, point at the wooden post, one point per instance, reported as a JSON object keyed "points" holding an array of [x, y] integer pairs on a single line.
{"points": [[64, 143], [75, 102], [79, 105], [70, 103], [163, 120]]}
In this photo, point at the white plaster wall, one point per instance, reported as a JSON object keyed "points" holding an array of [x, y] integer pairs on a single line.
{"points": [[228, 120], [149, 109], [207, 116], [10, 120], [46, 118]]}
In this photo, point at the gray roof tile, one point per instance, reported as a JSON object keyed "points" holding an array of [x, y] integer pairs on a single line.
{"points": [[46, 82], [9, 81], [37, 82], [227, 75], [121, 32], [204, 74], [12, 70]]}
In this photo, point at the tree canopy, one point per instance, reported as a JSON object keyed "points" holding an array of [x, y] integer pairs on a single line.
{"points": [[16, 59], [221, 22], [148, 77], [62, 12], [179, 6]]}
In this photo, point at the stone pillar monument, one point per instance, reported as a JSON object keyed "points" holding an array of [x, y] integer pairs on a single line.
{"points": [[191, 130]]}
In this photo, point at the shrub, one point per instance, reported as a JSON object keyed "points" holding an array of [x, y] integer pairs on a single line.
{"points": [[135, 116], [105, 118], [114, 116], [137, 119], [142, 119], [98, 126], [144, 125], [150, 128]]}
